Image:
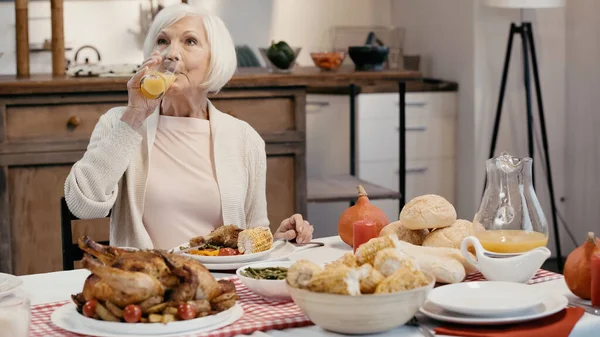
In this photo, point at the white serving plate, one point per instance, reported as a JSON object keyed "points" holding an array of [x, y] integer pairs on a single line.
{"points": [[278, 254], [8, 283], [486, 298], [67, 317], [551, 305], [274, 290], [231, 258]]}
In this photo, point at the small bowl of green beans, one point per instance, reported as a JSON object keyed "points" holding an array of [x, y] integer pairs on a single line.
{"points": [[266, 279]]}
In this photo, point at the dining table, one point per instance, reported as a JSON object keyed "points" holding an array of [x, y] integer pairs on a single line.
{"points": [[58, 286]]}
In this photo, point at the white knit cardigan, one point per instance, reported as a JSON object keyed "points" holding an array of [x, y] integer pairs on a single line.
{"points": [[113, 171]]}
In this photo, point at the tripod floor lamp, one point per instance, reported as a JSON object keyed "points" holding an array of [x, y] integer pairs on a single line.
{"points": [[525, 30]]}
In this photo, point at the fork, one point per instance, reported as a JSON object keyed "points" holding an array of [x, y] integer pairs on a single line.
{"points": [[587, 308], [414, 321]]}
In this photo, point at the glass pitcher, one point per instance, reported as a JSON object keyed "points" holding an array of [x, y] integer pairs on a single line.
{"points": [[510, 211]]}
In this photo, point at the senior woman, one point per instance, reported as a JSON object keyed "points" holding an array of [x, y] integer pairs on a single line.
{"points": [[176, 167]]}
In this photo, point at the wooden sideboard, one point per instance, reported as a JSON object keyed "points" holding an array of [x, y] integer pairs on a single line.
{"points": [[46, 122]]}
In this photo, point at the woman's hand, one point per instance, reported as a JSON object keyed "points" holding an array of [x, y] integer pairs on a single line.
{"points": [[295, 227], [140, 107]]}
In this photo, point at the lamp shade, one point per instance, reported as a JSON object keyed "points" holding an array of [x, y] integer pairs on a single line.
{"points": [[525, 3]]}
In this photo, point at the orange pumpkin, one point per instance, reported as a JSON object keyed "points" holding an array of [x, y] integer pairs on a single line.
{"points": [[362, 210], [577, 271]]}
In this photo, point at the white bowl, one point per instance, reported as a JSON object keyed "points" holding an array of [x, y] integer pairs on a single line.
{"points": [[269, 289], [361, 314]]}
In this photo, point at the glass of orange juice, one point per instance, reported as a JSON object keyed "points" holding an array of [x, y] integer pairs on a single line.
{"points": [[158, 80], [510, 211]]}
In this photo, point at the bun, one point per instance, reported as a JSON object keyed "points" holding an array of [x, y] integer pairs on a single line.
{"points": [[427, 211], [451, 236], [415, 237]]}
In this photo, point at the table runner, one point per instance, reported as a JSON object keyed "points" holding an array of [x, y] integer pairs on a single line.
{"points": [[259, 314]]}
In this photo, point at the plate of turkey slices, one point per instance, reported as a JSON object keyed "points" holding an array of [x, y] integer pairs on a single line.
{"points": [[149, 292], [230, 244], [429, 231]]}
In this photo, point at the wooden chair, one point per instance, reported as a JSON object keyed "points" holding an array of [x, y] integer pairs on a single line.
{"points": [[70, 251]]}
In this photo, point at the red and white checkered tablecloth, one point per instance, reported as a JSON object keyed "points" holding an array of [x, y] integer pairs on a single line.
{"points": [[259, 315], [541, 276]]}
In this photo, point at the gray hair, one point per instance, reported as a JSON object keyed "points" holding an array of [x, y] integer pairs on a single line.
{"points": [[223, 61]]}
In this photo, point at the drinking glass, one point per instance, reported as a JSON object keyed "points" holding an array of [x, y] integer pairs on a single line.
{"points": [[15, 314]]}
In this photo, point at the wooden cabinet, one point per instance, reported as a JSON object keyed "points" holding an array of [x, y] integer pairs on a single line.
{"points": [[41, 136]]}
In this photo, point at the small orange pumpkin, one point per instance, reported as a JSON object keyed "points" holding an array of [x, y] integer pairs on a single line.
{"points": [[577, 270], [362, 210]]}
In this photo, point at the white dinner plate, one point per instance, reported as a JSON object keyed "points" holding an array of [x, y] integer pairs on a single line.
{"points": [[280, 253], [551, 305], [67, 318], [486, 298], [230, 258], [8, 283]]}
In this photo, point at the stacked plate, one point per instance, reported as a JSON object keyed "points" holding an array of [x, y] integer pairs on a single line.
{"points": [[491, 303]]}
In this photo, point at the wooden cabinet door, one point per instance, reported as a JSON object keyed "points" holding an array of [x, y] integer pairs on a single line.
{"points": [[34, 194]]}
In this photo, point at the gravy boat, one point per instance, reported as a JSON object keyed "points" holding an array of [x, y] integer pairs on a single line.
{"points": [[519, 267]]}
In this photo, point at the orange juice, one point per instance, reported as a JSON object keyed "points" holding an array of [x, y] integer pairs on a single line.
{"points": [[156, 83], [511, 241]]}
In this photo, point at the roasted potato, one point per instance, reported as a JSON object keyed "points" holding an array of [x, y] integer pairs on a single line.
{"points": [[104, 314], [114, 309], [201, 305], [155, 318], [168, 318], [149, 303], [157, 308], [170, 311]]}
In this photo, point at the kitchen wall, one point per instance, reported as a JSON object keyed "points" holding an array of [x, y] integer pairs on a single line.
{"points": [[583, 119], [463, 40], [105, 24]]}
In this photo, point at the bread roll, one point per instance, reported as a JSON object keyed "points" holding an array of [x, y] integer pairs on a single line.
{"points": [[427, 211], [451, 236], [442, 252], [445, 269], [415, 237]]}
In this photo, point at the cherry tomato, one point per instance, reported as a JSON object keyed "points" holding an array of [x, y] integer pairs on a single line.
{"points": [[132, 313], [227, 251], [89, 308], [186, 311]]}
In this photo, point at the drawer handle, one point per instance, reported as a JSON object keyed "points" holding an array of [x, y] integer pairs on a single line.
{"points": [[413, 104], [413, 128], [321, 104], [413, 170], [74, 121]]}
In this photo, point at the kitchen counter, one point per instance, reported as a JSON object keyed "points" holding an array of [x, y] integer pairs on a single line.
{"points": [[315, 80]]}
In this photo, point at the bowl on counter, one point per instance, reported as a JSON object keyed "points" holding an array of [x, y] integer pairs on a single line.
{"points": [[368, 57], [362, 314], [328, 60], [273, 290], [276, 66]]}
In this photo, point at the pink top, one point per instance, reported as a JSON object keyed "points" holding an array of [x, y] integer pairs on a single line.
{"points": [[182, 196]]}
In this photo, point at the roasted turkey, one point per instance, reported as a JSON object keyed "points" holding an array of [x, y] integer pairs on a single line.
{"points": [[129, 277], [224, 236]]}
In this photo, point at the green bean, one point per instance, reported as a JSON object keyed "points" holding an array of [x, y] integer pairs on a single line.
{"points": [[269, 273]]}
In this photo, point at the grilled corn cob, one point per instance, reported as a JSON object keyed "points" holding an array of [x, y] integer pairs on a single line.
{"points": [[300, 273], [347, 259], [388, 260], [401, 280], [255, 240], [369, 278], [341, 280], [367, 251]]}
